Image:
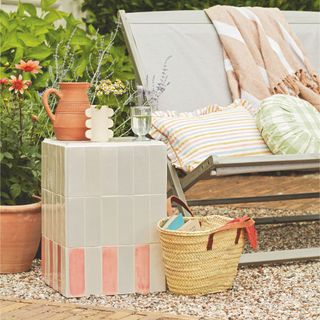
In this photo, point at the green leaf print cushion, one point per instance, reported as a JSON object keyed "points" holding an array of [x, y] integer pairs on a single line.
{"points": [[289, 125]]}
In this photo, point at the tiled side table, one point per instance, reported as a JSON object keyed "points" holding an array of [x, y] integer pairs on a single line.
{"points": [[101, 204]]}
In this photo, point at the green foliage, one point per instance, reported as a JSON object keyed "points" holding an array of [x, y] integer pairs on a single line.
{"points": [[20, 147], [26, 36], [102, 13], [66, 52]]}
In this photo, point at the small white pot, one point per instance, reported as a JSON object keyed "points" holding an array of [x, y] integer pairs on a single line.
{"points": [[99, 123]]}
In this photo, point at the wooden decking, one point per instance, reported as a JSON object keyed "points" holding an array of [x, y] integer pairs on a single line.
{"points": [[11, 309], [255, 185]]}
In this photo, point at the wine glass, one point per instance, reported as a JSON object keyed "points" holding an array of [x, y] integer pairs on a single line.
{"points": [[141, 121]]}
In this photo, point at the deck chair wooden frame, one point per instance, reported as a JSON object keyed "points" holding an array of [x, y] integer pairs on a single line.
{"points": [[141, 31]]}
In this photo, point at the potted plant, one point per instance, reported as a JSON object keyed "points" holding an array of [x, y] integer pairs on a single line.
{"points": [[21, 134], [66, 52]]}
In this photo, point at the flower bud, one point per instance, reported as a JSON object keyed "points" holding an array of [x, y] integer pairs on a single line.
{"points": [[4, 81]]}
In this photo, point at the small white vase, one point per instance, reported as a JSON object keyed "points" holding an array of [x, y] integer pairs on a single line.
{"points": [[99, 123]]}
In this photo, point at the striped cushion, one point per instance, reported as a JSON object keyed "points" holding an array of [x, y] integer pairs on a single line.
{"points": [[193, 136], [289, 125]]}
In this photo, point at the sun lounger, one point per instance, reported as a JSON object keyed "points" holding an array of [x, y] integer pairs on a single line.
{"points": [[197, 78]]}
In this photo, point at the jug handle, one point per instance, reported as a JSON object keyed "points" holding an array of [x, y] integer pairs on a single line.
{"points": [[46, 104]]}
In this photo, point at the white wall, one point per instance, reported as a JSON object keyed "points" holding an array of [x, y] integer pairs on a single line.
{"points": [[72, 6]]}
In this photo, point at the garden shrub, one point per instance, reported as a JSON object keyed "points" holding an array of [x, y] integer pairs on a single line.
{"points": [[68, 47], [102, 13]]}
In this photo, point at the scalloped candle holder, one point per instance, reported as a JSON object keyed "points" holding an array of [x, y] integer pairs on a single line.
{"points": [[99, 123]]}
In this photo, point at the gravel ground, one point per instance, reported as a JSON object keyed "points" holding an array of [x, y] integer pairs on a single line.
{"points": [[290, 291], [273, 237], [287, 291], [251, 212]]}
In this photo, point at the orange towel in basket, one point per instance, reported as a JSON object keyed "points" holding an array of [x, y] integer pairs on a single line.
{"points": [[250, 231]]}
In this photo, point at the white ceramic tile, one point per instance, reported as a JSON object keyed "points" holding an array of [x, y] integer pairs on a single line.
{"points": [[126, 269], [59, 218], [93, 270], [141, 172], [61, 235], [75, 172], [126, 220], [55, 157], [158, 169], [125, 170], [46, 168], [63, 171], [109, 171], [92, 221], [63, 221], [67, 274], [60, 171], [157, 212], [92, 172], [43, 212], [157, 275], [55, 217], [49, 214], [109, 221], [43, 165], [75, 221], [50, 168], [53, 167], [141, 219]]}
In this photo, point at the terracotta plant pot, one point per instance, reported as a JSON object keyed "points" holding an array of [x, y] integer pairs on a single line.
{"points": [[20, 232], [69, 118]]}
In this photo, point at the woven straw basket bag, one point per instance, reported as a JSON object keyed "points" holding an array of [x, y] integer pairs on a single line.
{"points": [[204, 261]]}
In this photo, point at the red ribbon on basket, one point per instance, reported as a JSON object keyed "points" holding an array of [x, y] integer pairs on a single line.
{"points": [[250, 231]]}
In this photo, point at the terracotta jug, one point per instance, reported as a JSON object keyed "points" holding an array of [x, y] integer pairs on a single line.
{"points": [[69, 118]]}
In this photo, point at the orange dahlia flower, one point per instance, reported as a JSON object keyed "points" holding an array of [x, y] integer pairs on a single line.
{"points": [[29, 66], [17, 84]]}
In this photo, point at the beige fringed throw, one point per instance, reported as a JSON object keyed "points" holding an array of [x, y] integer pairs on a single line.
{"points": [[262, 56]]}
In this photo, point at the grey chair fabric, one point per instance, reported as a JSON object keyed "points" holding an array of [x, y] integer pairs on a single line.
{"points": [[195, 69]]}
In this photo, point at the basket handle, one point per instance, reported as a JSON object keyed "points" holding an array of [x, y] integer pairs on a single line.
{"points": [[174, 199], [233, 224]]}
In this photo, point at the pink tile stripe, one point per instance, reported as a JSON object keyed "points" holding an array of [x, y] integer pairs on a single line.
{"points": [[76, 272], [43, 256], [59, 266], [142, 268], [110, 270], [50, 263]]}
